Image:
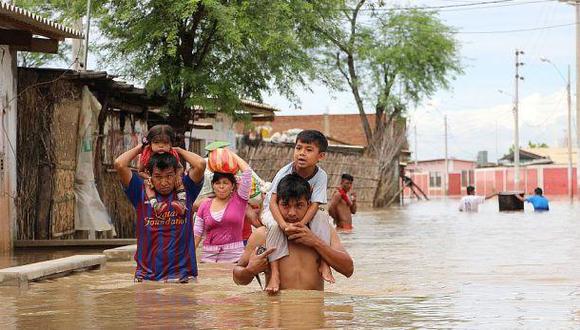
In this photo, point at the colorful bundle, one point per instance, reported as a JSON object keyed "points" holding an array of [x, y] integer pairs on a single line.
{"points": [[221, 160]]}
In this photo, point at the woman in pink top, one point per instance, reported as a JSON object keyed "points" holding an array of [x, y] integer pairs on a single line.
{"points": [[220, 219]]}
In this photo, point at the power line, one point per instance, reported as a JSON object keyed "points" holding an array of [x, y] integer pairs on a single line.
{"points": [[462, 5], [517, 30]]}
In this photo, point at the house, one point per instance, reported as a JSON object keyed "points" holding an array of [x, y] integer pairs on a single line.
{"points": [[540, 167], [210, 126], [51, 153], [527, 157], [20, 30], [429, 175], [557, 156]]}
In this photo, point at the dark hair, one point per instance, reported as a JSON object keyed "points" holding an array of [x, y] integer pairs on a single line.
{"points": [[470, 190], [162, 161], [293, 187], [538, 191], [314, 137], [218, 176], [159, 132], [347, 176]]}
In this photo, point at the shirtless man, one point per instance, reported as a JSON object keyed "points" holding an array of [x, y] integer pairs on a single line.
{"points": [[342, 206], [298, 270]]}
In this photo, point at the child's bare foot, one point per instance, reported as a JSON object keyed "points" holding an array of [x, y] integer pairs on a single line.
{"points": [[326, 273], [273, 286], [179, 207]]}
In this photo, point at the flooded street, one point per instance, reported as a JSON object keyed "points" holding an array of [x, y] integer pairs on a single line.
{"points": [[422, 266]]}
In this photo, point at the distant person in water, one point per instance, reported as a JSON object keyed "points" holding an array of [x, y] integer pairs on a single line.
{"points": [[471, 202], [538, 200], [343, 204]]}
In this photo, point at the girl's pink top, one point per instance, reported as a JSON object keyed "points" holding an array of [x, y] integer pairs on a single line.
{"points": [[147, 152], [229, 229]]}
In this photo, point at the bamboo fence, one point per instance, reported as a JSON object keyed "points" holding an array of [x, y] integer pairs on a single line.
{"points": [[46, 144]]}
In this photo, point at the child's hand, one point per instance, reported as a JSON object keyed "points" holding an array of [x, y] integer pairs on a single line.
{"points": [[283, 226]]}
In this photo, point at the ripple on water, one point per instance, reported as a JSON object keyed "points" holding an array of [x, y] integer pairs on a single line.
{"points": [[422, 266]]}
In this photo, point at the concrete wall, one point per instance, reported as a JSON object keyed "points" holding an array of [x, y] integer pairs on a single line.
{"points": [[223, 130]]}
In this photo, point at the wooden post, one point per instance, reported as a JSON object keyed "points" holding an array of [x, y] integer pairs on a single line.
{"points": [[8, 120]]}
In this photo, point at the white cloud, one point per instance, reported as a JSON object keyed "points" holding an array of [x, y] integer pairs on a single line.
{"points": [[542, 119]]}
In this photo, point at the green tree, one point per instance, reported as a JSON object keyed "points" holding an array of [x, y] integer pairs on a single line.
{"points": [[388, 58], [208, 53], [532, 145]]}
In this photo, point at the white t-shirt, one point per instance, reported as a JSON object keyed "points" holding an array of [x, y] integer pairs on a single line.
{"points": [[318, 184], [470, 203]]}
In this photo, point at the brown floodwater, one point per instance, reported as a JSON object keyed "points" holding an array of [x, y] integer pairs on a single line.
{"points": [[422, 266]]}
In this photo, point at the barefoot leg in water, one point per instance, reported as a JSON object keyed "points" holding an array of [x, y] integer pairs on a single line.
{"points": [[274, 284]]}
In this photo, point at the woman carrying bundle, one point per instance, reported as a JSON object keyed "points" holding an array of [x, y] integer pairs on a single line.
{"points": [[220, 219]]}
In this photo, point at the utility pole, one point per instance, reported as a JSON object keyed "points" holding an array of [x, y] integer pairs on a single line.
{"points": [[569, 133], [516, 122], [576, 4], [496, 142], [570, 178], [86, 57], [77, 47], [416, 149], [446, 160]]}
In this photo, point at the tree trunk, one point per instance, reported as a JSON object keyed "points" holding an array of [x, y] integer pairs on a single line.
{"points": [[387, 144], [358, 99]]}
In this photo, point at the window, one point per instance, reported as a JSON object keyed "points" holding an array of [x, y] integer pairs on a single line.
{"points": [[434, 179], [467, 178]]}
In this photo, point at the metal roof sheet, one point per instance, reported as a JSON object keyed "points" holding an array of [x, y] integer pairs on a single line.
{"points": [[12, 17]]}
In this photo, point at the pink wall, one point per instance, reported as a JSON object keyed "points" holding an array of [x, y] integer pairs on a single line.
{"points": [[556, 181], [438, 165], [552, 179], [531, 179], [454, 184], [456, 165]]}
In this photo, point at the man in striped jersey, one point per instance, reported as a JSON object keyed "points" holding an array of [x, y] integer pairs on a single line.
{"points": [[165, 246]]}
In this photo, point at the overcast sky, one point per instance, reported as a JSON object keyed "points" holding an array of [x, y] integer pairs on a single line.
{"points": [[480, 118]]}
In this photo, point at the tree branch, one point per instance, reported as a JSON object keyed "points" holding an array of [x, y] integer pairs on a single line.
{"points": [[344, 74], [200, 54]]}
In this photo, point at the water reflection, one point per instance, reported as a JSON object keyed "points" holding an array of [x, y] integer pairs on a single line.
{"points": [[422, 266]]}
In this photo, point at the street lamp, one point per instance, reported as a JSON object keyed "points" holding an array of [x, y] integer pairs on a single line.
{"points": [[569, 97], [576, 4]]}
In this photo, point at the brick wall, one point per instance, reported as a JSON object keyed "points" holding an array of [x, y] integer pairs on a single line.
{"points": [[344, 128]]}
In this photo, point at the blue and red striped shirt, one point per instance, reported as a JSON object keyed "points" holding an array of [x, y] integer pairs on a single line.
{"points": [[165, 245]]}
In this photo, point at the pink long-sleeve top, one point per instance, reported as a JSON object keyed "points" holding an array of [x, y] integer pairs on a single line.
{"points": [[228, 229]]}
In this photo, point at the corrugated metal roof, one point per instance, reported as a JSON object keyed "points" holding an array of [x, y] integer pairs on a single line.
{"points": [[101, 80], [260, 107], [12, 17], [557, 155]]}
